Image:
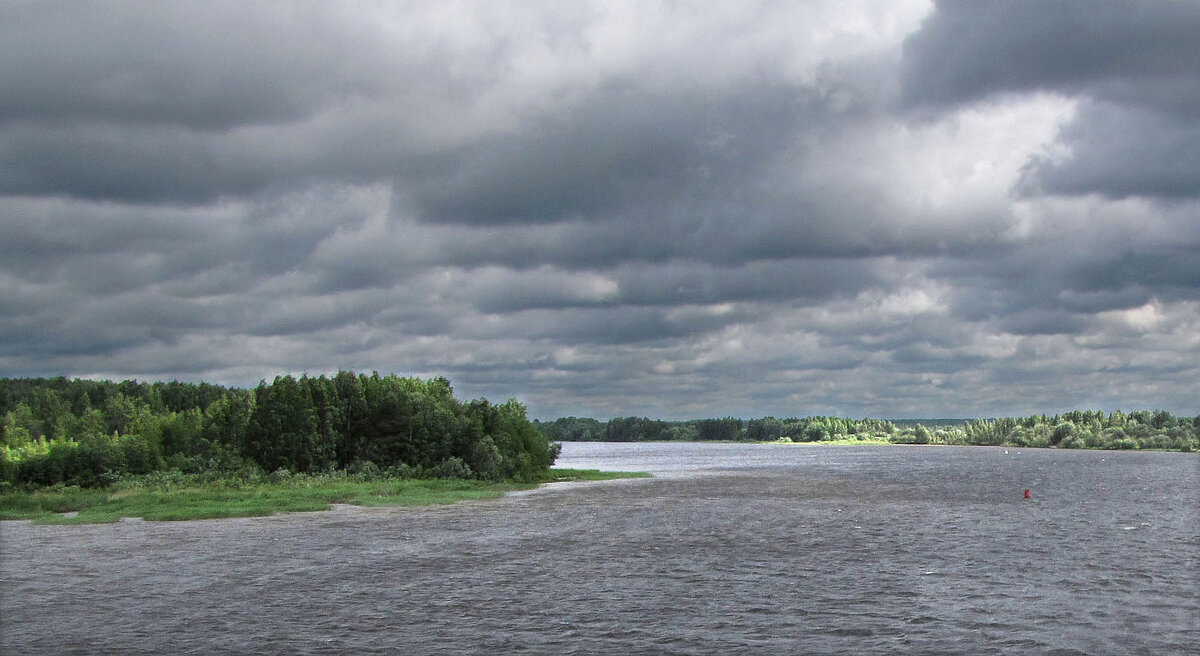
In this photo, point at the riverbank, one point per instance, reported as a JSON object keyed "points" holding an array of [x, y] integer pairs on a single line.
{"points": [[154, 500], [852, 441], [849, 441]]}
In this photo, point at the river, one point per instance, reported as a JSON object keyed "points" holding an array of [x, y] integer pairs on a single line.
{"points": [[729, 549]]}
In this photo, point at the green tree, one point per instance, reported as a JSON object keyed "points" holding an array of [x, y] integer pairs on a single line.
{"points": [[283, 428]]}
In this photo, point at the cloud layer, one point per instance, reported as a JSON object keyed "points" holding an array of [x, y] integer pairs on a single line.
{"points": [[867, 208]]}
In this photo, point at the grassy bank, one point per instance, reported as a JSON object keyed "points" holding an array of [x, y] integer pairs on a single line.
{"points": [[157, 499], [849, 441]]}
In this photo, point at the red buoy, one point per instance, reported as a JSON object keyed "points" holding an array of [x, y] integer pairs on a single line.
{"points": [[1026, 493]]}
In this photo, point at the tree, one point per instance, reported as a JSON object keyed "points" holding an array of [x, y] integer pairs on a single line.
{"points": [[227, 419], [283, 428]]}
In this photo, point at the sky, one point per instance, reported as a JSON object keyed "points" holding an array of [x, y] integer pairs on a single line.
{"points": [[672, 209]]}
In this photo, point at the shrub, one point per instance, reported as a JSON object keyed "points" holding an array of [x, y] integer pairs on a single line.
{"points": [[486, 460], [452, 467], [365, 470], [1071, 442]]}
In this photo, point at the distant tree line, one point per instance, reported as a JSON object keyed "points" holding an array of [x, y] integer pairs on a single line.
{"points": [[728, 429], [86, 432], [1072, 430]]}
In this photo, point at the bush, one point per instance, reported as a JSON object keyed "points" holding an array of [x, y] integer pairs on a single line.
{"points": [[486, 460], [919, 435], [364, 470], [452, 467], [1071, 442]]}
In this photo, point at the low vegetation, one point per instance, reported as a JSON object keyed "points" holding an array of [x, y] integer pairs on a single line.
{"points": [[176, 496]]}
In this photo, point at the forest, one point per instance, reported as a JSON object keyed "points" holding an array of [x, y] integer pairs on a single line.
{"points": [[1090, 429], [92, 433]]}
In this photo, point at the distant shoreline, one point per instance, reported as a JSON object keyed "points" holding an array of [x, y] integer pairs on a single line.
{"points": [[851, 442], [1091, 429]]}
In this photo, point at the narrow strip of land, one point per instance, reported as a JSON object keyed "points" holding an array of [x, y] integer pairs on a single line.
{"points": [[189, 499]]}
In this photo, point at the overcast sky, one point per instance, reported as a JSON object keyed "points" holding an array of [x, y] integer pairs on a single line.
{"points": [[672, 209]]}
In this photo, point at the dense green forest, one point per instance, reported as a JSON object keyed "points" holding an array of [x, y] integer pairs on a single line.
{"points": [[1072, 430], [91, 433]]}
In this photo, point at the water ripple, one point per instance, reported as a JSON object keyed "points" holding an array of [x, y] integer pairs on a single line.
{"points": [[823, 551]]}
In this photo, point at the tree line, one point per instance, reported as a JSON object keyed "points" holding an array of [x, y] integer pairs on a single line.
{"points": [[1089, 429], [91, 433], [728, 429]]}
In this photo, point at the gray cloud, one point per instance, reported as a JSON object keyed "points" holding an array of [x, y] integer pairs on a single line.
{"points": [[1128, 52], [1122, 151], [203, 67], [1134, 62], [864, 208]]}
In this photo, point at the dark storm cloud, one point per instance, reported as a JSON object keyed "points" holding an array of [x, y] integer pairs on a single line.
{"points": [[1135, 62], [747, 209], [1120, 152], [187, 102], [1087, 266], [627, 152], [1131, 52], [223, 110], [108, 248], [805, 280], [1042, 321], [1171, 272], [666, 285], [204, 66], [604, 325]]}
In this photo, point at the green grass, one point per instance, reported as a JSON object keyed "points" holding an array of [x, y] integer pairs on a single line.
{"points": [[233, 498], [576, 475], [848, 441]]}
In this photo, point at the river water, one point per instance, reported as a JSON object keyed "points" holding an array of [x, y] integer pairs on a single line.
{"points": [[729, 549]]}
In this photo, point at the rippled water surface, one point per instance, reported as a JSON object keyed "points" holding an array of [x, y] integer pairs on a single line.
{"points": [[730, 549]]}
